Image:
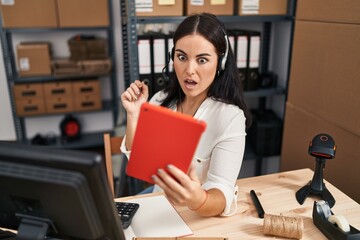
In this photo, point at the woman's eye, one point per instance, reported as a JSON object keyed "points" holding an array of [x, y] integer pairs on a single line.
{"points": [[181, 57], [202, 60]]}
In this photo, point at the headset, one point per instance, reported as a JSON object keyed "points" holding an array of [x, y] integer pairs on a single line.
{"points": [[221, 61]]}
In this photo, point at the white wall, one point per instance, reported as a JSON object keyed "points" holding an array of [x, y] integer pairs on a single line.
{"points": [[7, 130]]}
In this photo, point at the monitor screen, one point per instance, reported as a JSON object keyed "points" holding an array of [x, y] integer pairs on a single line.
{"points": [[55, 192]]}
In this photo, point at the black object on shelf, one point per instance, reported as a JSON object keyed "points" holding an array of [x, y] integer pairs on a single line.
{"points": [[265, 133], [70, 129]]}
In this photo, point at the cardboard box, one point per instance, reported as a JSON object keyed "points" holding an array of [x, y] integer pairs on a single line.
{"points": [[345, 11], [62, 67], [30, 106], [88, 48], [58, 89], [300, 128], [324, 76], [86, 87], [87, 102], [263, 7], [31, 90], [225, 7], [89, 67], [29, 13], [34, 59], [156, 8], [59, 104], [83, 13], [29, 99]]}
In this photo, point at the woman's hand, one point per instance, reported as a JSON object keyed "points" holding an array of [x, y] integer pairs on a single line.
{"points": [[181, 188], [134, 97]]}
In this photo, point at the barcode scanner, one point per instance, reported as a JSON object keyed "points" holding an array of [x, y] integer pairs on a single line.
{"points": [[322, 147]]}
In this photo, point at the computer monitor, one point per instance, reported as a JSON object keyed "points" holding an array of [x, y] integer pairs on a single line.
{"points": [[55, 193]]}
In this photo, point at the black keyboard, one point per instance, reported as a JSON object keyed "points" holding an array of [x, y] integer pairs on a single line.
{"points": [[126, 211]]}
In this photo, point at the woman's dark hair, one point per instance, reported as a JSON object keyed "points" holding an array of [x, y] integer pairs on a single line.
{"points": [[227, 86]]}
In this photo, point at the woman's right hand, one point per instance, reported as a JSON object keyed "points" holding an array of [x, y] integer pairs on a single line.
{"points": [[134, 97]]}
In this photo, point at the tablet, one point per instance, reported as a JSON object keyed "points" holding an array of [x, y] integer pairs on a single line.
{"points": [[163, 137]]}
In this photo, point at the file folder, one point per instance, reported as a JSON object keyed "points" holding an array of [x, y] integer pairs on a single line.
{"points": [[145, 61], [252, 79], [144, 46], [242, 63]]}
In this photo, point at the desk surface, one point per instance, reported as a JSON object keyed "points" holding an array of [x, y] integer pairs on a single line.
{"points": [[276, 193]]}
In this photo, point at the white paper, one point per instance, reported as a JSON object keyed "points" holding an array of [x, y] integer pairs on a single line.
{"points": [[129, 233], [156, 217]]}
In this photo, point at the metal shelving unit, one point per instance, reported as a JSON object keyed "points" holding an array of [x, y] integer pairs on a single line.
{"points": [[130, 50], [88, 139]]}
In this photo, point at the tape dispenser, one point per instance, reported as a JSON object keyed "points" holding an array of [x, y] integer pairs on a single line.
{"points": [[334, 227]]}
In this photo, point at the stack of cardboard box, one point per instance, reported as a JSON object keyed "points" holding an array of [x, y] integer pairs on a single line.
{"points": [[54, 13], [57, 97], [324, 90], [158, 8]]}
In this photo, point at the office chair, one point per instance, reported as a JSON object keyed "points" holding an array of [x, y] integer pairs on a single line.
{"points": [[112, 147], [123, 185]]}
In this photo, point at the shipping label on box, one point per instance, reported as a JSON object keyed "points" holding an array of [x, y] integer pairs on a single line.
{"points": [[156, 8], [262, 7], [144, 5], [217, 7]]}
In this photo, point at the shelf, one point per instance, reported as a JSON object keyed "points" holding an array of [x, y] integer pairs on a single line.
{"points": [[38, 30], [225, 19], [57, 78], [87, 140]]}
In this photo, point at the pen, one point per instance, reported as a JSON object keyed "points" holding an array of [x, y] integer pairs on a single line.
{"points": [[257, 204]]}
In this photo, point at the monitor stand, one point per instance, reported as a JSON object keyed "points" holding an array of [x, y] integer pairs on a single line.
{"points": [[33, 228]]}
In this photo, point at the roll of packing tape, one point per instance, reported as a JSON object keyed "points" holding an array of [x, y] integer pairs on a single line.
{"points": [[340, 221], [325, 208]]}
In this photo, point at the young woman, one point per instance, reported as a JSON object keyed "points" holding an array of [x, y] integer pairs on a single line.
{"points": [[206, 85]]}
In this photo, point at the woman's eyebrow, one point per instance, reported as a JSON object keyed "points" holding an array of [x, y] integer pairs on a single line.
{"points": [[199, 55]]}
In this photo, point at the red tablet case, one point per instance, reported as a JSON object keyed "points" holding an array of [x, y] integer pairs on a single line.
{"points": [[163, 137]]}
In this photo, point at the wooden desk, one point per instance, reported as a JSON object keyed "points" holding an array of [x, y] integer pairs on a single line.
{"points": [[277, 196]]}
